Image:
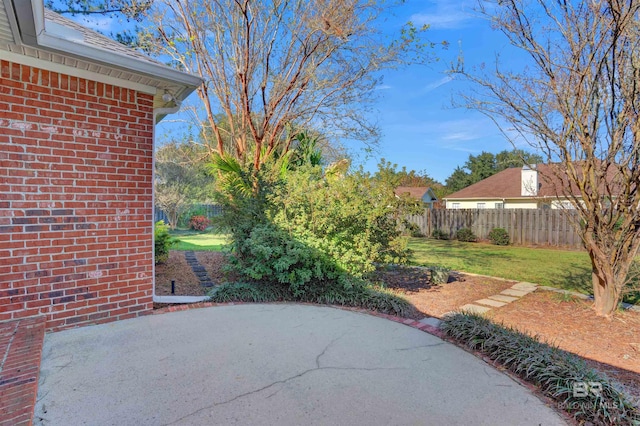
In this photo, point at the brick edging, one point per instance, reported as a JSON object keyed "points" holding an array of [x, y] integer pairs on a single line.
{"points": [[20, 371]]}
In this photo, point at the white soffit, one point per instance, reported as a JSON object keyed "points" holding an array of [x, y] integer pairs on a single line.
{"points": [[6, 29]]}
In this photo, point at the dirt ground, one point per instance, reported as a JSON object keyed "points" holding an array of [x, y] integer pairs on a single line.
{"points": [[610, 345]]}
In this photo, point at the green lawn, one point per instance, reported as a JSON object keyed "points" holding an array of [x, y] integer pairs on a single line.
{"points": [[197, 241], [565, 269]]}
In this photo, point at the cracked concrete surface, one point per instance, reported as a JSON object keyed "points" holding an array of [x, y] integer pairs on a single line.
{"points": [[271, 365]]}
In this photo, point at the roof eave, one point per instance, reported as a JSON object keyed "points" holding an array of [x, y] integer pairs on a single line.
{"points": [[33, 32], [99, 55]]}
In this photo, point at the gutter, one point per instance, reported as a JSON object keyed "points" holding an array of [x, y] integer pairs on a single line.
{"points": [[34, 32]]}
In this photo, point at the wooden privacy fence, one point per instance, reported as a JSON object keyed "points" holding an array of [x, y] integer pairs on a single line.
{"points": [[525, 226]]}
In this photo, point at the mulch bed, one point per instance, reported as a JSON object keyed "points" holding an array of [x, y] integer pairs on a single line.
{"points": [[177, 269], [611, 345], [187, 284], [437, 300]]}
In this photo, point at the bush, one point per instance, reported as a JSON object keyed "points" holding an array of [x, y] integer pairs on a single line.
{"points": [[162, 242], [439, 274], [499, 236], [439, 234], [270, 254], [359, 295], [249, 292], [466, 235], [199, 223], [411, 229], [553, 370], [311, 229]]}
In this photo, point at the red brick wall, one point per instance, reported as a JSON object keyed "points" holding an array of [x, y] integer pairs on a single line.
{"points": [[76, 237]]}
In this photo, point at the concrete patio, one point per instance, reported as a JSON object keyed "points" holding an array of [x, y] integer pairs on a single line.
{"points": [[271, 364]]}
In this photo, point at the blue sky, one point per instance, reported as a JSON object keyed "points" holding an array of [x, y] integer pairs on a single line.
{"points": [[420, 127]]}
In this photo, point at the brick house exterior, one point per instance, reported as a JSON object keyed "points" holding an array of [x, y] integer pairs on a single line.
{"points": [[76, 174]]}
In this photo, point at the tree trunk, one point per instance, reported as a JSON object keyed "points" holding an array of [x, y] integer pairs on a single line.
{"points": [[605, 294]]}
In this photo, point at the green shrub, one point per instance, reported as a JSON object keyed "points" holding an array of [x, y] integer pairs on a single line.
{"points": [[553, 370], [162, 242], [199, 223], [439, 234], [307, 228], [439, 274], [358, 295], [466, 235], [411, 229], [249, 292], [499, 236], [272, 255]]}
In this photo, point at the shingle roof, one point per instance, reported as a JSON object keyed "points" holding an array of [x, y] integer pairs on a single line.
{"points": [[416, 192], [508, 184], [97, 40]]}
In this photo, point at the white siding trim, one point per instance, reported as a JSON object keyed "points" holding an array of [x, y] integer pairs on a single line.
{"points": [[74, 72]]}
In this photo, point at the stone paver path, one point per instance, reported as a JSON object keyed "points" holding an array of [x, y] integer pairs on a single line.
{"points": [[505, 297], [198, 269]]}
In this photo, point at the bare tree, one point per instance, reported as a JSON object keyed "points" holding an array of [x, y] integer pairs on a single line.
{"points": [[275, 67], [578, 101], [181, 179]]}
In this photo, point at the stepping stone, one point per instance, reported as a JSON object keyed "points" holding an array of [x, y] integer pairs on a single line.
{"points": [[545, 287], [434, 322], [474, 309], [503, 298], [489, 302], [524, 286], [514, 293]]}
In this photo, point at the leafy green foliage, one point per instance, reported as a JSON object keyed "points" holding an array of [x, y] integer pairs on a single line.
{"points": [[250, 292], [553, 370], [411, 229], [485, 164], [359, 295], [271, 254], [439, 274], [162, 242], [351, 218], [499, 236], [309, 230], [181, 179], [306, 151], [439, 234], [466, 235], [388, 172]]}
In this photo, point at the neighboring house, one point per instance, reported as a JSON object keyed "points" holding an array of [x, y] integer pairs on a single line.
{"points": [[420, 193], [77, 117], [514, 188]]}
